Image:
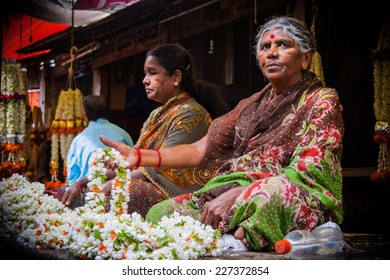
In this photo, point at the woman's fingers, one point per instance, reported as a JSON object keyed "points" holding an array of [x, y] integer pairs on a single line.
{"points": [[65, 197], [69, 198], [209, 216], [113, 144]]}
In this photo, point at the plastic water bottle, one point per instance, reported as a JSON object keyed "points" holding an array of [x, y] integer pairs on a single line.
{"points": [[326, 239], [331, 238]]}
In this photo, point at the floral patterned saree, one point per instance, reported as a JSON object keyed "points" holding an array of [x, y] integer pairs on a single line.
{"points": [[286, 151]]}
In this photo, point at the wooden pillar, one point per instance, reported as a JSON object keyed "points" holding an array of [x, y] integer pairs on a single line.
{"points": [[300, 10]]}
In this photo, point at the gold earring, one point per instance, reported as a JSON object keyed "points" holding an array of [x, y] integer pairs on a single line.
{"points": [[175, 84]]}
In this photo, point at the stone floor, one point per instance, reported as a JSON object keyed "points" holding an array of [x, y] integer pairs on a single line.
{"points": [[370, 246]]}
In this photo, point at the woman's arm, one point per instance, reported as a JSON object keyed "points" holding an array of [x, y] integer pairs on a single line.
{"points": [[182, 156]]}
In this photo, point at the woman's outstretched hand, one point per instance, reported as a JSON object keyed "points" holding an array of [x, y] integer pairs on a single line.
{"points": [[127, 152]]}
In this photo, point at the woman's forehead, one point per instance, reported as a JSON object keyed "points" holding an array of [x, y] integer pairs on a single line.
{"points": [[275, 34], [152, 62]]}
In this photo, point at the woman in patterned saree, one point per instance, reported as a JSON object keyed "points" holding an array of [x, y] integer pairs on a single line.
{"points": [[181, 119], [278, 152]]}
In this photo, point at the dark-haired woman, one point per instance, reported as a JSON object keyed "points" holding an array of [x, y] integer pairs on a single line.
{"points": [[187, 108]]}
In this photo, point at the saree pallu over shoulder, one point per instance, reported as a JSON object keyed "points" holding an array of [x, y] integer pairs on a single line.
{"points": [[181, 120]]}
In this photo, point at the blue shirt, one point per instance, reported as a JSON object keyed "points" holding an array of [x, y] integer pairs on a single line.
{"points": [[86, 142]]}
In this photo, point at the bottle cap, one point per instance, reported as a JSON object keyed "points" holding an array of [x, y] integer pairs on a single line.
{"points": [[282, 246]]}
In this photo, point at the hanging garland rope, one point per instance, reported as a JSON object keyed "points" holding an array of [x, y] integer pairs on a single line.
{"points": [[316, 63], [68, 120], [381, 61]]}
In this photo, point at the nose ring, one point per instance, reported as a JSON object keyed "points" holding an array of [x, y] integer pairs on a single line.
{"points": [[275, 54]]}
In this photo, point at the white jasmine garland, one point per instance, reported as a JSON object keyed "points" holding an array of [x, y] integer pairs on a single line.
{"points": [[10, 118], [78, 110], [69, 139], [54, 154], [22, 118], [3, 110], [68, 111], [41, 221]]}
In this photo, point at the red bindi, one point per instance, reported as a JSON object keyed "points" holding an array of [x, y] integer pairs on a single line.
{"points": [[272, 36]]}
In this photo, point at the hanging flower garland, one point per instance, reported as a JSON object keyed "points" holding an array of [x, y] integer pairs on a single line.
{"points": [[316, 62], [381, 60], [13, 97], [89, 232], [67, 123]]}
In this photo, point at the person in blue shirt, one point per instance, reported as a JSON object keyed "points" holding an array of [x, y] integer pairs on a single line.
{"points": [[86, 142]]}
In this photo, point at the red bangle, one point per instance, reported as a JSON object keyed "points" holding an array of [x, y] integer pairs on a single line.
{"points": [[138, 158], [159, 159]]}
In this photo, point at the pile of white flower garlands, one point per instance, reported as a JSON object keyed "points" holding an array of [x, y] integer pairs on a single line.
{"points": [[13, 98], [89, 232]]}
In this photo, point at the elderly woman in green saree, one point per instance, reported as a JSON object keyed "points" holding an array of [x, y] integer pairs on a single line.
{"points": [[277, 153]]}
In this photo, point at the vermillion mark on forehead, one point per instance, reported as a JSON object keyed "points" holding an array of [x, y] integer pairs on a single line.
{"points": [[272, 36]]}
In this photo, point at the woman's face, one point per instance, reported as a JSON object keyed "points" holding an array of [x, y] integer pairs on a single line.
{"points": [[281, 60], [158, 85]]}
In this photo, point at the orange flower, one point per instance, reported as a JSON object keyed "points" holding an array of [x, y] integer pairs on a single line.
{"points": [[381, 137], [381, 177], [102, 247], [53, 185], [15, 168], [123, 256], [7, 164]]}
